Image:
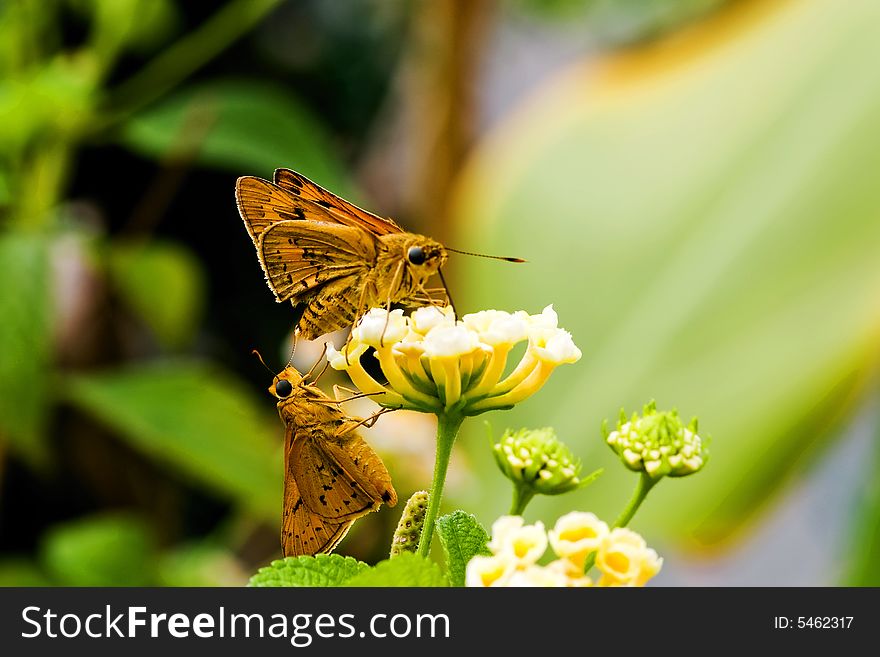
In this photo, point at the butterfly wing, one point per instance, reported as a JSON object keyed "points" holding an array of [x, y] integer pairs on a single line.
{"points": [[300, 257], [303, 531], [345, 479], [337, 305], [262, 204], [343, 211]]}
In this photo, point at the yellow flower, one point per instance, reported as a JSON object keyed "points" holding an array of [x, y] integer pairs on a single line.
{"points": [[573, 573], [576, 535], [625, 559], [524, 544], [485, 571], [538, 576], [436, 364]]}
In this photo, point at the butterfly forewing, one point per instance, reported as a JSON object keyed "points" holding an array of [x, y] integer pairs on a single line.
{"points": [[302, 530], [345, 212]]}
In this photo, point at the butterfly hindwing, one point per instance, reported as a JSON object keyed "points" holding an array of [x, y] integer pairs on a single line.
{"points": [[300, 257]]}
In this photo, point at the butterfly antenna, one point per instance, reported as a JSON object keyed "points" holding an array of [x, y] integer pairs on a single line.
{"points": [[448, 296], [483, 255], [260, 358]]}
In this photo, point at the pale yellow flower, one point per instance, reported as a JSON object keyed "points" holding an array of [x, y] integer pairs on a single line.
{"points": [[576, 535], [501, 531], [538, 576], [625, 559], [435, 364], [524, 543], [573, 573], [484, 571]]}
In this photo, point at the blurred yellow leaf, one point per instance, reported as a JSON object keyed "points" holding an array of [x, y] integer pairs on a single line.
{"points": [[703, 212]]}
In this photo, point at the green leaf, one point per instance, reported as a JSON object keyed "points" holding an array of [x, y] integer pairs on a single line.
{"points": [[197, 419], [163, 284], [19, 571], [405, 569], [110, 550], [200, 564], [243, 126], [319, 570], [26, 339], [713, 253], [462, 538]]}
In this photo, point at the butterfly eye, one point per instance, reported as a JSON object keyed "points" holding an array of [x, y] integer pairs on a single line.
{"points": [[416, 255], [283, 388]]}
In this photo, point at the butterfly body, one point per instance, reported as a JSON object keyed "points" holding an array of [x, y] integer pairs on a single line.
{"points": [[332, 476], [328, 257]]}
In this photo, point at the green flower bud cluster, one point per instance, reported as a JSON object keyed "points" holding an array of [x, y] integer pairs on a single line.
{"points": [[658, 443], [537, 460]]}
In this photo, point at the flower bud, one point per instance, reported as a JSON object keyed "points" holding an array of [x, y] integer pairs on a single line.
{"points": [[538, 460], [658, 443], [409, 528]]}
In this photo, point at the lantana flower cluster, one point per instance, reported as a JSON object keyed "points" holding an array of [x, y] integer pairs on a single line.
{"points": [[658, 443], [621, 555], [437, 364], [537, 459]]}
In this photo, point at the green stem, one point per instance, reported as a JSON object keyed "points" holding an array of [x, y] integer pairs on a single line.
{"points": [[447, 430], [643, 487], [522, 495]]}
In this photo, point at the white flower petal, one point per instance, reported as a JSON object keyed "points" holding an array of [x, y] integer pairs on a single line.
{"points": [[554, 346], [548, 319], [425, 318], [450, 341], [378, 325]]}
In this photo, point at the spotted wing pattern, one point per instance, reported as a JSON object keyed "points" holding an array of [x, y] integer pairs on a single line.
{"points": [[343, 211]]}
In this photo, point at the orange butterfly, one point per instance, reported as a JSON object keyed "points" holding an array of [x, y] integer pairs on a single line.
{"points": [[330, 258], [332, 476]]}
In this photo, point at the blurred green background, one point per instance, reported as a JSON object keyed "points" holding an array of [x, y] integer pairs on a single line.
{"points": [[693, 182]]}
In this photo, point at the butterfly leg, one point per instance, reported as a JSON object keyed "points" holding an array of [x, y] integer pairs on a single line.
{"points": [[321, 373], [354, 394], [338, 388], [370, 421], [428, 298], [309, 373], [366, 422]]}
